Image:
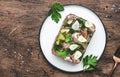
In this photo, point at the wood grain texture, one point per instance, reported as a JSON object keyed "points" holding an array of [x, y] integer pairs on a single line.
{"points": [[20, 21]]}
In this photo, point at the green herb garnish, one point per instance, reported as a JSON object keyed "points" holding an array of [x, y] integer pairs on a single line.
{"points": [[89, 33], [70, 51], [68, 38], [58, 47], [66, 24], [89, 62], [62, 53], [82, 22], [54, 11], [72, 31], [86, 43], [81, 48]]}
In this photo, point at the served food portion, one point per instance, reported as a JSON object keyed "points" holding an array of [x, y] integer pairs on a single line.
{"points": [[73, 38]]}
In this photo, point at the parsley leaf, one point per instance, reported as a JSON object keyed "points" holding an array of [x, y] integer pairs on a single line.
{"points": [[89, 62], [58, 6], [54, 12]]}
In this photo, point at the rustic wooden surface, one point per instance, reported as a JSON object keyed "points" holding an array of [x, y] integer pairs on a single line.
{"points": [[20, 20]]}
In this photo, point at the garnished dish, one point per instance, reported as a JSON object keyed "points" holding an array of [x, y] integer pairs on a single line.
{"points": [[73, 38]]}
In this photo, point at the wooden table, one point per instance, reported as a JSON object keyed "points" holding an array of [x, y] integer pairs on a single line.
{"points": [[20, 20]]}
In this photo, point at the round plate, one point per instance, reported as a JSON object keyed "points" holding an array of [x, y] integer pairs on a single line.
{"points": [[50, 29]]}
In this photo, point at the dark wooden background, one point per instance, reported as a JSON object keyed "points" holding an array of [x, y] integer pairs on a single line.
{"points": [[20, 21]]}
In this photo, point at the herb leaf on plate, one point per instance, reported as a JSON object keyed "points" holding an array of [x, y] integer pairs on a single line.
{"points": [[54, 11], [58, 6], [89, 62]]}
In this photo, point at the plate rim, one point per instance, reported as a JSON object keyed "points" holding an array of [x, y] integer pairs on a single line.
{"points": [[42, 26]]}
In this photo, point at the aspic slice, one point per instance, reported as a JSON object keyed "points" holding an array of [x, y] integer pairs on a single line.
{"points": [[73, 38]]}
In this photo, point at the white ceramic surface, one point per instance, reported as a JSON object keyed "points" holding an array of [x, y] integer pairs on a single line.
{"points": [[50, 30]]}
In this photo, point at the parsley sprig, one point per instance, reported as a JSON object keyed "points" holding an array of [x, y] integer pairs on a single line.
{"points": [[54, 11], [89, 62]]}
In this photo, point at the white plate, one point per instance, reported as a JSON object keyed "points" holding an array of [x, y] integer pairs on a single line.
{"points": [[50, 29]]}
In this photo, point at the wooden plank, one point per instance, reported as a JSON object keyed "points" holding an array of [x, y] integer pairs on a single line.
{"points": [[20, 22]]}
